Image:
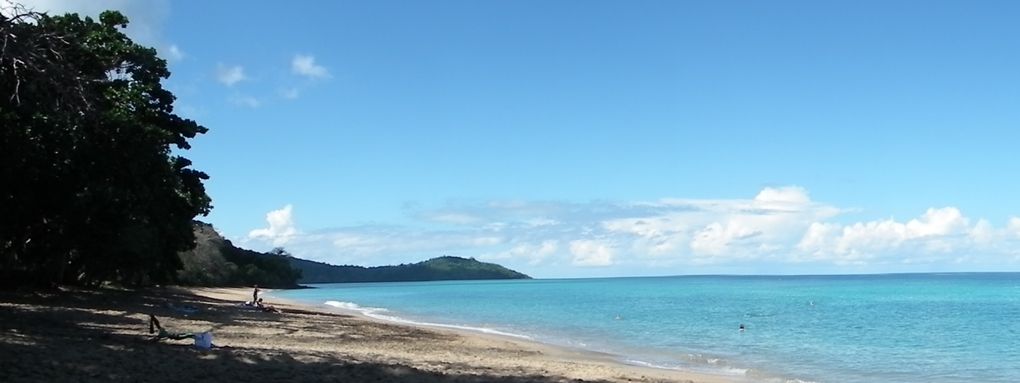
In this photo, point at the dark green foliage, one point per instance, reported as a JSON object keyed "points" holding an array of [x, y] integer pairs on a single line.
{"points": [[263, 269], [215, 261], [90, 188], [435, 269], [205, 265]]}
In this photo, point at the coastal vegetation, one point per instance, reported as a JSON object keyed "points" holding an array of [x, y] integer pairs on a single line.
{"points": [[215, 261], [93, 186], [435, 269]]}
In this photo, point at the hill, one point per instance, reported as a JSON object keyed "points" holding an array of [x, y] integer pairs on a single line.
{"points": [[215, 261], [435, 269]]}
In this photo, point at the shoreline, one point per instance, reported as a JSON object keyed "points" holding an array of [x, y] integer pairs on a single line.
{"points": [[706, 374], [103, 335], [575, 354]]}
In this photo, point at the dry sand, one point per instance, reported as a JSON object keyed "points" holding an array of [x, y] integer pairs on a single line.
{"points": [[84, 336]]}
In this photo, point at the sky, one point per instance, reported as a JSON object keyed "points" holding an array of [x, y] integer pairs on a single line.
{"points": [[604, 138]]}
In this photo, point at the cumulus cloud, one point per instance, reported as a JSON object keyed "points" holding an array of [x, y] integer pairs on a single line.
{"points": [[230, 75], [712, 231], [533, 253], [591, 253], [281, 227], [783, 196], [777, 226], [1013, 227], [715, 239], [304, 65], [939, 230]]}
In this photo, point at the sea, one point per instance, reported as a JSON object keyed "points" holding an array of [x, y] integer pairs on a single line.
{"points": [[911, 328]]}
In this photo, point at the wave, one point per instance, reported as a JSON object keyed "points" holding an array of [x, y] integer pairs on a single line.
{"points": [[707, 364], [713, 370], [355, 307], [378, 313]]}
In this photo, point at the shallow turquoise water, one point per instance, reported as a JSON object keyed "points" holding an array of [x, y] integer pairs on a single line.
{"points": [[871, 328]]}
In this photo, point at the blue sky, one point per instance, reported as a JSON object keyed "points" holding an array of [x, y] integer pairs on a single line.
{"points": [[604, 138]]}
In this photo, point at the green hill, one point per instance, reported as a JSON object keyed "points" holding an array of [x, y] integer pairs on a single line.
{"points": [[215, 261], [435, 269]]}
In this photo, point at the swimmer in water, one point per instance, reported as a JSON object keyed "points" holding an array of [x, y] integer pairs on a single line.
{"points": [[741, 327]]}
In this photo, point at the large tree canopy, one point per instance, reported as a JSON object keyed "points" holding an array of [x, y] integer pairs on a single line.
{"points": [[91, 187]]}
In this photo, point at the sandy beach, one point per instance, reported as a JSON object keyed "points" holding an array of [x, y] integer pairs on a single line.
{"points": [[84, 335]]}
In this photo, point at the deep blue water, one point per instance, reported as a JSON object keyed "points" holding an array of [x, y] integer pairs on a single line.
{"points": [[961, 327]]}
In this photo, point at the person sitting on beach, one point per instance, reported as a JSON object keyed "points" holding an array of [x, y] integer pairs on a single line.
{"points": [[266, 308]]}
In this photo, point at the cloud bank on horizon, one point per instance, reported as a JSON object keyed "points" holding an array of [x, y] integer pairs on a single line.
{"points": [[245, 91], [780, 228]]}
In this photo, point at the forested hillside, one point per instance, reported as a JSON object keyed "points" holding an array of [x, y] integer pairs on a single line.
{"points": [[215, 261], [435, 269]]}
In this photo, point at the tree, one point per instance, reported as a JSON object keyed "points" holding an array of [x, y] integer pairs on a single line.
{"points": [[91, 187], [279, 252]]}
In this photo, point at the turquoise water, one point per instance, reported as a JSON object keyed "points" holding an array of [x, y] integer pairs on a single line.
{"points": [[874, 328]]}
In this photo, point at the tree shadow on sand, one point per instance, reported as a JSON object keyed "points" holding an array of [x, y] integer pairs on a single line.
{"points": [[90, 337]]}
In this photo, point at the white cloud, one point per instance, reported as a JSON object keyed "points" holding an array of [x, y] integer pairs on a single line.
{"points": [[230, 75], [983, 233], [937, 222], [281, 227], [533, 253], [305, 65], [591, 253], [1013, 227], [819, 238], [713, 231], [936, 231], [715, 239], [787, 195], [779, 229]]}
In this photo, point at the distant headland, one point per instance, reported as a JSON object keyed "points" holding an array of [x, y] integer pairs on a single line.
{"points": [[435, 269], [215, 261]]}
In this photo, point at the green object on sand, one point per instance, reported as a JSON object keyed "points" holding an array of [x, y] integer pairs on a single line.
{"points": [[174, 335]]}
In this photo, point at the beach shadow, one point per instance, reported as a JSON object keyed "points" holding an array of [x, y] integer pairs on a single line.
{"points": [[99, 336]]}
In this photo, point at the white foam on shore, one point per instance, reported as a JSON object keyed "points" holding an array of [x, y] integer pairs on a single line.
{"points": [[377, 313], [716, 368], [729, 371]]}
